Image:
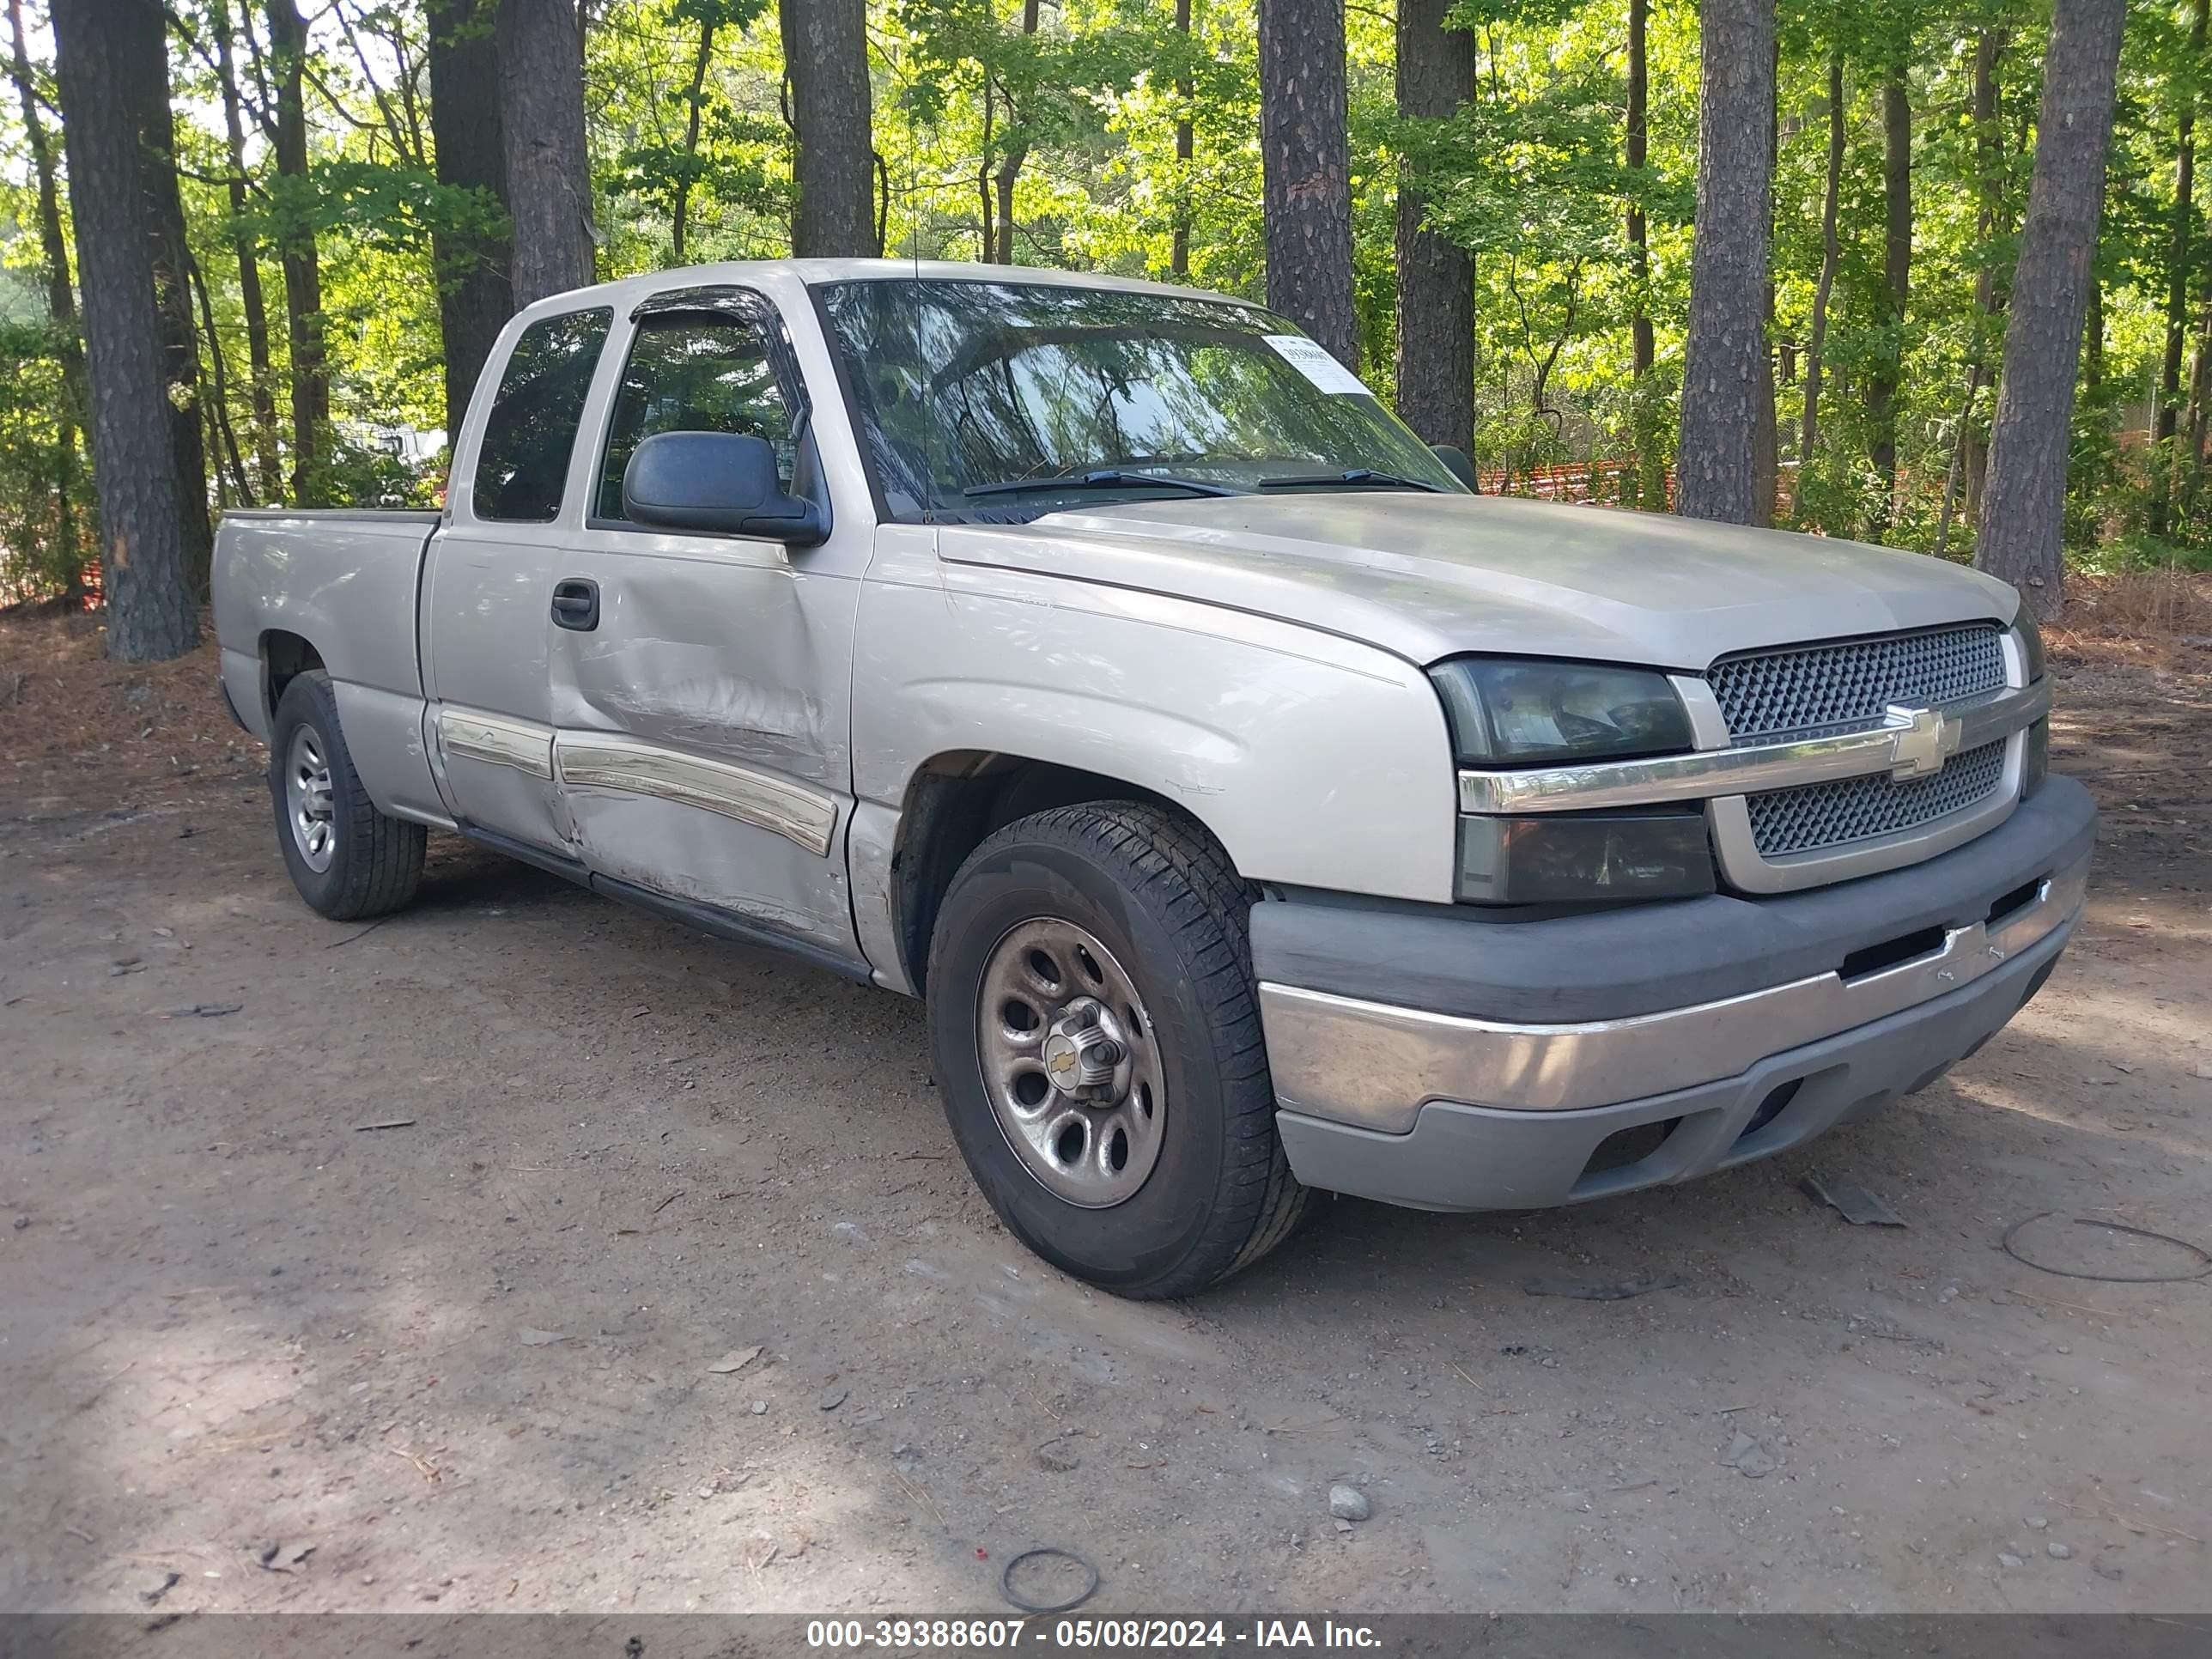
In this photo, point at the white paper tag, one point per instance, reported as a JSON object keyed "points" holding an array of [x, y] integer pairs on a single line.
{"points": [[1316, 364]]}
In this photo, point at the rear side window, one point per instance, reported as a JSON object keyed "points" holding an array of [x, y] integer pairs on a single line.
{"points": [[524, 461], [688, 373]]}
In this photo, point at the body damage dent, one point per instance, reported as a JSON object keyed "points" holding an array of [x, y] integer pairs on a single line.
{"points": [[685, 688], [606, 765], [705, 858], [496, 741]]}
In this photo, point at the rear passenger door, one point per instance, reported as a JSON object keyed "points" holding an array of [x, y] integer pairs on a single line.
{"points": [[488, 587], [701, 706]]}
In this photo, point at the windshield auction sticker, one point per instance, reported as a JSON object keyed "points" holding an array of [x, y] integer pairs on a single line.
{"points": [[1316, 364]]}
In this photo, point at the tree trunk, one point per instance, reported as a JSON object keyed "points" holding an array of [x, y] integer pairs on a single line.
{"points": [[61, 301], [1952, 475], [1305, 159], [2021, 531], [1988, 156], [1974, 471], [987, 242], [1010, 169], [883, 199], [825, 54], [1766, 449], [1648, 479], [540, 47], [268, 463], [303, 272], [475, 296], [2200, 388], [1436, 276], [218, 426], [680, 217], [1816, 339], [1888, 367], [1999, 281], [147, 89], [103, 50], [1724, 357], [2166, 464], [54, 247], [1179, 247], [2093, 336]]}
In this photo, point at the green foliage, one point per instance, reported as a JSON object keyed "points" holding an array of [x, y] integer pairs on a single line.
{"points": [[736, 180], [42, 548], [1081, 118]]}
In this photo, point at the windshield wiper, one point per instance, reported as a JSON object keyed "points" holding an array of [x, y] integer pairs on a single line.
{"points": [[1104, 478], [1357, 475]]}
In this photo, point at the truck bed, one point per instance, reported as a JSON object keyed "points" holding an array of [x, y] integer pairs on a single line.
{"points": [[347, 580]]}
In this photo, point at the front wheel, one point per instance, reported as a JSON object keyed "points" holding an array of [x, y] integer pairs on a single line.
{"points": [[347, 859], [1096, 1038]]}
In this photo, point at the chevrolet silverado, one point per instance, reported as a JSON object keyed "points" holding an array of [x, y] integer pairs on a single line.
{"points": [[1257, 807]]}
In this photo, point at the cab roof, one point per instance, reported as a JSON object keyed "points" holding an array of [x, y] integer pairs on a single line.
{"points": [[815, 273]]}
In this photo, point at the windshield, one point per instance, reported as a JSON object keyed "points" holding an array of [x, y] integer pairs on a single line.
{"points": [[1002, 401]]}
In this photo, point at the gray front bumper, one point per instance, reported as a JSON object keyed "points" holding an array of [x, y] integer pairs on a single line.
{"points": [[1477, 1157], [1453, 1062]]}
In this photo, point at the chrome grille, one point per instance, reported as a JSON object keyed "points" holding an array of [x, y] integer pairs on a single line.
{"points": [[1818, 688], [1825, 815]]}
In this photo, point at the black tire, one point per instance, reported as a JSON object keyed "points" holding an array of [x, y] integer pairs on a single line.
{"points": [[1163, 898], [376, 861]]}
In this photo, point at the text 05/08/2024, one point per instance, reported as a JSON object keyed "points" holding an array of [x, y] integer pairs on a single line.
{"points": [[1125, 1634]]}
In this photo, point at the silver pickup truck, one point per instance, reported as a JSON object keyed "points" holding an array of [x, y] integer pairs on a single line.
{"points": [[1258, 808]]}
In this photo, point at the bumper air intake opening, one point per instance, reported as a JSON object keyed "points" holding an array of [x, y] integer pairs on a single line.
{"points": [[2018, 899], [1632, 1146], [1778, 1099], [1872, 959]]}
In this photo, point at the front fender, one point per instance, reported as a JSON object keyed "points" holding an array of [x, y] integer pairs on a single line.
{"points": [[1315, 761]]}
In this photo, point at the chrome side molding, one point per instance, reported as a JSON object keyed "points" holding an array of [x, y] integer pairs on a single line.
{"points": [[599, 761], [1757, 768], [466, 735]]}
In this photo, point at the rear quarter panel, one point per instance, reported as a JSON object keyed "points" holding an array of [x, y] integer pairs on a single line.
{"points": [[346, 583]]}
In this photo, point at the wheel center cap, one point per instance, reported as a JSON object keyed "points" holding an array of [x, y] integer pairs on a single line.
{"points": [[1083, 1053]]}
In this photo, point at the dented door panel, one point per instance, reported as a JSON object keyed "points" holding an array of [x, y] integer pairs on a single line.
{"points": [[688, 852], [727, 653], [701, 729]]}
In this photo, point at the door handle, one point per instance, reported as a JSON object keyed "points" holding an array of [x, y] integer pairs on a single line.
{"points": [[576, 604]]}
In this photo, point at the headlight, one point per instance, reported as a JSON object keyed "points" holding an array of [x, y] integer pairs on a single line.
{"points": [[1505, 711], [2031, 645], [1582, 858]]}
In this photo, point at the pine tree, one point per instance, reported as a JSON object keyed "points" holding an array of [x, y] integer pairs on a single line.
{"points": [[103, 51]]}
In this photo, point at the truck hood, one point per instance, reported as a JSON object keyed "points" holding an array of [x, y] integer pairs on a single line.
{"points": [[1427, 576]]}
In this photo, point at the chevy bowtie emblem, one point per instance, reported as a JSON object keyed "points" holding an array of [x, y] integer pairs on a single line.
{"points": [[1924, 739]]}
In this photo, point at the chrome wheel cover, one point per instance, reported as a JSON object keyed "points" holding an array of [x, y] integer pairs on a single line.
{"points": [[308, 804], [1071, 1063]]}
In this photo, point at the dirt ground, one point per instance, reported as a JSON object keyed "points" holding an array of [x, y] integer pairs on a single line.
{"points": [[257, 1353]]}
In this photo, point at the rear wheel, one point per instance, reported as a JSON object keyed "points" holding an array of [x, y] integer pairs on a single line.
{"points": [[347, 859], [1097, 1038]]}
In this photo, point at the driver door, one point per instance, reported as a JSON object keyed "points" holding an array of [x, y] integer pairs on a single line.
{"points": [[699, 682]]}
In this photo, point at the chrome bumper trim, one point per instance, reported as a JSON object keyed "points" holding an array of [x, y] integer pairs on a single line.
{"points": [[1375, 1066], [1751, 769]]}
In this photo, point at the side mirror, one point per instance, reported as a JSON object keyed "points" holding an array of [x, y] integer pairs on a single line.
{"points": [[1456, 462], [720, 483]]}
